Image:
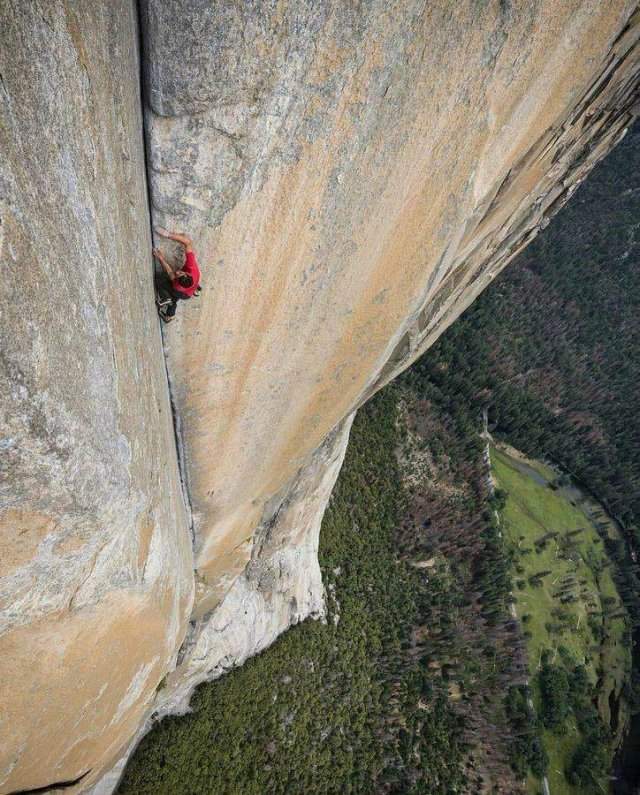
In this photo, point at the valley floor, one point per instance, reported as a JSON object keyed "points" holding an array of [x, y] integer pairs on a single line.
{"points": [[566, 598]]}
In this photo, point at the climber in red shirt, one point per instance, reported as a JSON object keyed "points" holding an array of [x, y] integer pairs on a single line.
{"points": [[181, 284]]}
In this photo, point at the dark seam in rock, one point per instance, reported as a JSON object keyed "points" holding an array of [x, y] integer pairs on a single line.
{"points": [[176, 422], [52, 787]]}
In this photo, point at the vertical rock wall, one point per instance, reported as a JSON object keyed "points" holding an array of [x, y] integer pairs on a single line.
{"points": [[353, 173], [95, 555], [280, 586]]}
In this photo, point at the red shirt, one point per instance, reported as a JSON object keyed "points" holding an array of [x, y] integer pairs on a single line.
{"points": [[191, 268]]}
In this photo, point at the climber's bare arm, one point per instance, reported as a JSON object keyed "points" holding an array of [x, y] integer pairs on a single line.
{"points": [[178, 237], [165, 265]]}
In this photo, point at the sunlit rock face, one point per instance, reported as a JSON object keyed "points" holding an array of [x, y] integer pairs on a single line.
{"points": [[353, 174], [95, 554]]}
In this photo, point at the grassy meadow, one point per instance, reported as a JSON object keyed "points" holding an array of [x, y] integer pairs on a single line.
{"points": [[565, 596]]}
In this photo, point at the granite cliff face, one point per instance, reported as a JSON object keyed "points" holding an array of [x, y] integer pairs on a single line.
{"points": [[96, 565], [353, 174]]}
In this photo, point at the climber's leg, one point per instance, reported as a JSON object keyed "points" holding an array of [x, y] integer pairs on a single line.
{"points": [[163, 288], [167, 311], [165, 299]]}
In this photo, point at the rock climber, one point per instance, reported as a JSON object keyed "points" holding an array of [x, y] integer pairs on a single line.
{"points": [[176, 285]]}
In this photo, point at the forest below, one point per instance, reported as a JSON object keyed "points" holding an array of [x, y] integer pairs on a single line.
{"points": [[553, 346], [417, 681], [552, 352]]}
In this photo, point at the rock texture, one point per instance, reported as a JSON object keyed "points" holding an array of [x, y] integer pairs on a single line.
{"points": [[280, 586], [95, 555], [353, 174]]}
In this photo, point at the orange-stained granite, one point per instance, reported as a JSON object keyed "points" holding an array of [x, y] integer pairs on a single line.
{"points": [[312, 278]]}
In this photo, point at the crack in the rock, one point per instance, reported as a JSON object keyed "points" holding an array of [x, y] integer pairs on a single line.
{"points": [[52, 787], [176, 421]]}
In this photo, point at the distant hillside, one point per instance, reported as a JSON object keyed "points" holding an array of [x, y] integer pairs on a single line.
{"points": [[552, 351], [553, 347]]}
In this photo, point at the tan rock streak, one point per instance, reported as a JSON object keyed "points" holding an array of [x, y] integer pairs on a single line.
{"points": [[88, 685], [95, 557], [351, 179]]}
